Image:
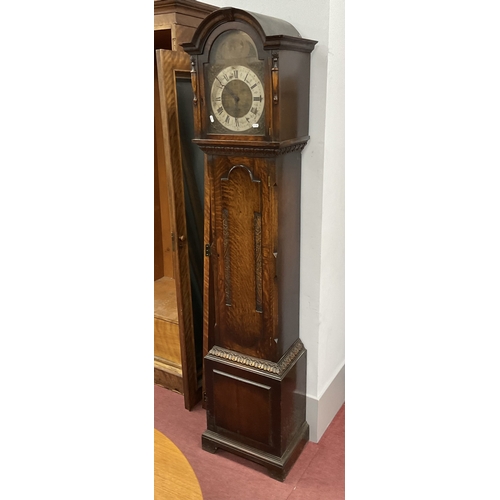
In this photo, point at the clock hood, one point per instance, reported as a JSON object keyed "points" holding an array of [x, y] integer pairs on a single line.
{"points": [[271, 30]]}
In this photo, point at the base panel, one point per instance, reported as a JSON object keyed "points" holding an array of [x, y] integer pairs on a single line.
{"points": [[277, 467]]}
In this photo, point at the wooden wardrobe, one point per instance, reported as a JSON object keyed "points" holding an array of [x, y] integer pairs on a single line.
{"points": [[178, 205]]}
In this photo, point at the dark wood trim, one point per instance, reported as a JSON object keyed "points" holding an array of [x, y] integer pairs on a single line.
{"points": [[277, 467], [282, 42], [279, 33], [236, 147]]}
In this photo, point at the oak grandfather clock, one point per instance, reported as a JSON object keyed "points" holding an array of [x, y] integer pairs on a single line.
{"points": [[250, 75]]}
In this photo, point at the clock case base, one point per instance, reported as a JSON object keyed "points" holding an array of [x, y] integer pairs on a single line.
{"points": [[254, 413], [277, 467]]}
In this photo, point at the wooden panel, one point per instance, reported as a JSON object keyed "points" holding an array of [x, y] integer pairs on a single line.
{"points": [[167, 344], [163, 193], [163, 21], [168, 375], [166, 300], [293, 401], [239, 404], [255, 413], [208, 281], [182, 34], [294, 77], [243, 234], [287, 188], [158, 243], [241, 202], [186, 12], [170, 64], [166, 328]]}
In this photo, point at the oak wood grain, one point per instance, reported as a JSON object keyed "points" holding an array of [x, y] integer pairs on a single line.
{"points": [[168, 375], [174, 477], [244, 271], [208, 282], [169, 63], [166, 324], [162, 210], [158, 243], [165, 296], [166, 341]]}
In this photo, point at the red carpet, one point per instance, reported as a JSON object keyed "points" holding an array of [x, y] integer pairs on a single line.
{"points": [[318, 473]]}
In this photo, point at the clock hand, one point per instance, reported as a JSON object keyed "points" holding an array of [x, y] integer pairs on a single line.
{"points": [[233, 95]]}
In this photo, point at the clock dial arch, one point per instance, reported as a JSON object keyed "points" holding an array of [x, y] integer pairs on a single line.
{"points": [[237, 98]]}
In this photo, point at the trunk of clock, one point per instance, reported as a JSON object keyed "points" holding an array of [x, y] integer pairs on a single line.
{"points": [[255, 370], [255, 247]]}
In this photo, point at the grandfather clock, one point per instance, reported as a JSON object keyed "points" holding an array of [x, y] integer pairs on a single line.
{"points": [[250, 77]]}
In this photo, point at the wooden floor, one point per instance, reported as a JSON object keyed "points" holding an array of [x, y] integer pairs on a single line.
{"points": [[174, 477]]}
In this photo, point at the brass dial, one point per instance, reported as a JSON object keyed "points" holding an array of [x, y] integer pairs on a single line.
{"points": [[237, 98]]}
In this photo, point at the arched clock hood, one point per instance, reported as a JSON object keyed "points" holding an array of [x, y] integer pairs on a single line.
{"points": [[285, 59], [274, 33]]}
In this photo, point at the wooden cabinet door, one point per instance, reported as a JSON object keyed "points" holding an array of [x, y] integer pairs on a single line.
{"points": [[243, 234], [172, 68]]}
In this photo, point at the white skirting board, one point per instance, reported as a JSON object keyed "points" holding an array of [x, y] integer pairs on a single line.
{"points": [[320, 412]]}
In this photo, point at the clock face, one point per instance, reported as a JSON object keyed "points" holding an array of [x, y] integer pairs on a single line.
{"points": [[237, 99]]}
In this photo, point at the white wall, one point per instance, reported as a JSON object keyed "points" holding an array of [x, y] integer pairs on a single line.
{"points": [[331, 339], [322, 236]]}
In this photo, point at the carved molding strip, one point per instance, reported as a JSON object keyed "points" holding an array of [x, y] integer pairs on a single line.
{"points": [[262, 364], [252, 152], [227, 257], [257, 227]]}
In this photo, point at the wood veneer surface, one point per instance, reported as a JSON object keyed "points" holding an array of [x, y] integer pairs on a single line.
{"points": [[166, 323], [174, 477], [166, 300]]}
